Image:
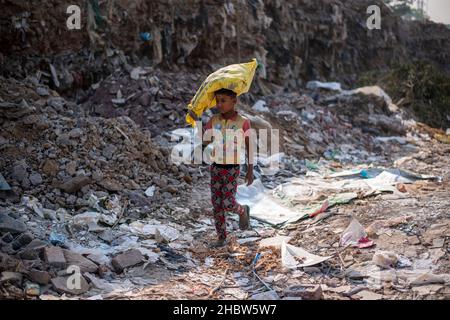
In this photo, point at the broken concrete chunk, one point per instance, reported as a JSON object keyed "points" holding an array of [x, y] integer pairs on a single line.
{"points": [[50, 167], [35, 179], [54, 256], [32, 250], [11, 277], [268, 295], [75, 259], [368, 295], [414, 240], [111, 185], [127, 259], [385, 259], [305, 291], [74, 184], [22, 240], [41, 277], [428, 278], [166, 234], [42, 91], [8, 224], [99, 259], [99, 283], [107, 236], [354, 274], [72, 285]]}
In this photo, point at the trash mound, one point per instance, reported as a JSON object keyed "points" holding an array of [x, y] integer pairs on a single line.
{"points": [[339, 126], [51, 149]]}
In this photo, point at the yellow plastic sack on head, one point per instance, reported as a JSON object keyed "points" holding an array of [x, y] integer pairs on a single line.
{"points": [[235, 77]]}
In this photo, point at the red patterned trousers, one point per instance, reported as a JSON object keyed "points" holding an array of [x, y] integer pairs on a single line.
{"points": [[224, 181]]}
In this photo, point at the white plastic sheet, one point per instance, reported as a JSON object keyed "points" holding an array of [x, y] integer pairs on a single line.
{"points": [[336, 86], [291, 257]]}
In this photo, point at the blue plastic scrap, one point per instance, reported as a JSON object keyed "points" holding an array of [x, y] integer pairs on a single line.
{"points": [[4, 186], [145, 36], [57, 239]]}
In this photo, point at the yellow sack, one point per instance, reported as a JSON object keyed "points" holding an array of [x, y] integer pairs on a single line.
{"points": [[235, 77]]}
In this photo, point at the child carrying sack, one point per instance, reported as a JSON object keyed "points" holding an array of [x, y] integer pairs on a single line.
{"points": [[235, 77]]}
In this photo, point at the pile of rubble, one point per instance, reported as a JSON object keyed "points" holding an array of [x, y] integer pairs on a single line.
{"points": [[154, 99], [52, 150]]}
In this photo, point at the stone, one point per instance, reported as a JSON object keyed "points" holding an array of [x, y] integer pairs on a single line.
{"points": [[110, 185], [8, 248], [268, 295], [385, 259], [41, 277], [35, 179], [368, 295], [75, 133], [32, 289], [438, 243], [137, 198], [127, 259], [166, 234], [7, 238], [305, 291], [36, 244], [187, 179], [26, 183], [171, 189], [99, 259], [71, 168], [54, 256], [50, 167], [49, 214], [19, 172], [22, 240], [56, 102], [107, 236], [99, 283], [76, 259], [414, 240], [109, 151], [74, 184], [8, 224], [144, 99], [64, 285], [97, 176], [312, 270], [427, 278], [64, 140], [42, 91], [71, 200], [32, 250], [354, 274], [161, 182], [11, 277]]}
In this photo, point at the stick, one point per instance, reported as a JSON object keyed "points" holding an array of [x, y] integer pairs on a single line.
{"points": [[220, 284], [265, 284]]}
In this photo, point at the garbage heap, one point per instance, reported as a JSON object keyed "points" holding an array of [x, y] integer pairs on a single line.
{"points": [[53, 150]]}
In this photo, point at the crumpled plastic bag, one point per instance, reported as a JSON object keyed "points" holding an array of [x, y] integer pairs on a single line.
{"points": [[355, 236], [235, 77]]}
